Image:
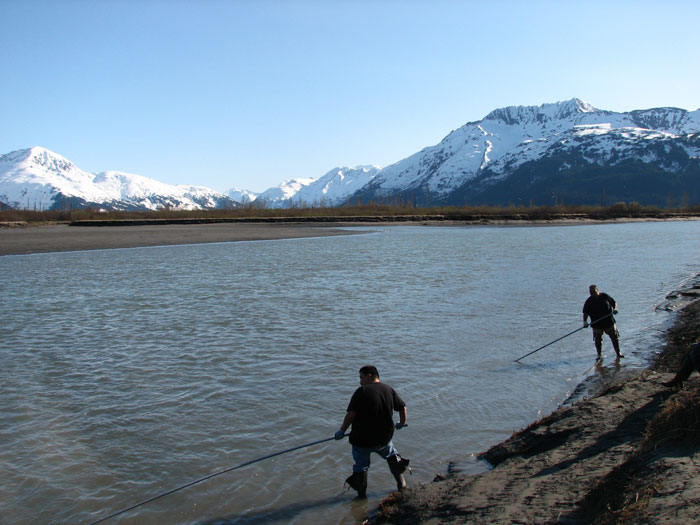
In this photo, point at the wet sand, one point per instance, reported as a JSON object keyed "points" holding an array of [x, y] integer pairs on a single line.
{"points": [[630, 454], [62, 237]]}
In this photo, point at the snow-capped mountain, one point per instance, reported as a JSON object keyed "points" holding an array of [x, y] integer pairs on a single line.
{"points": [[37, 178], [336, 186], [566, 152], [332, 189], [569, 151], [278, 196], [561, 153], [242, 196]]}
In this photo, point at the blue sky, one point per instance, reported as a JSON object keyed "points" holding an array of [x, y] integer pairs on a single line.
{"points": [[247, 94]]}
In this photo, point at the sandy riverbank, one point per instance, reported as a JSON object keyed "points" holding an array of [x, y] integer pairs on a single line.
{"points": [[62, 237], [628, 455]]}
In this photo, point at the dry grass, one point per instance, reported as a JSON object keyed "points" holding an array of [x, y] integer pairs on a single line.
{"points": [[389, 504], [619, 210], [678, 421]]}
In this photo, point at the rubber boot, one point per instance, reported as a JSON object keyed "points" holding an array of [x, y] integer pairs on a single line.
{"points": [[616, 346], [397, 466], [358, 481]]}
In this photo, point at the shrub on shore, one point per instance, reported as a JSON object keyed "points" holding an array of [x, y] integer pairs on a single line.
{"points": [[619, 210]]}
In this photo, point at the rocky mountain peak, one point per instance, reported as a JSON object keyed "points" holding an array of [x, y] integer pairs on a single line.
{"points": [[518, 115]]}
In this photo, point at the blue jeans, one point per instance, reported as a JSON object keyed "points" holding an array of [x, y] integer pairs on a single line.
{"points": [[362, 459]]}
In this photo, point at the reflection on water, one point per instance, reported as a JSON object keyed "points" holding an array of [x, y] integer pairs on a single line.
{"points": [[127, 373], [602, 376]]}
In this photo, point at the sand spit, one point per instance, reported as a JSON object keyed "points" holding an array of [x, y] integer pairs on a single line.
{"points": [[63, 237]]}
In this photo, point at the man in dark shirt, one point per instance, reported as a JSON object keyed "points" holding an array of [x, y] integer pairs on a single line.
{"points": [[371, 414], [600, 307]]}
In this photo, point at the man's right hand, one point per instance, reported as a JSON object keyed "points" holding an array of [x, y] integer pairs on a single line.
{"points": [[585, 324], [339, 434]]}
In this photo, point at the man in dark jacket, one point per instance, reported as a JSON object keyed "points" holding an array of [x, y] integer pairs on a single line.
{"points": [[370, 413], [600, 307]]}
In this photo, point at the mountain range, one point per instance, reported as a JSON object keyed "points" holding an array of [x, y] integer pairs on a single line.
{"points": [[39, 179], [560, 153]]}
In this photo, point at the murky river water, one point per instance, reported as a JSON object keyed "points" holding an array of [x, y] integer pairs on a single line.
{"points": [[126, 373]]}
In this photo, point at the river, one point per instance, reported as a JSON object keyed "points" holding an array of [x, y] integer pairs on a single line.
{"points": [[130, 372]]}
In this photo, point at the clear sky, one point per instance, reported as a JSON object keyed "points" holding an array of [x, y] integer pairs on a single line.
{"points": [[249, 93]]}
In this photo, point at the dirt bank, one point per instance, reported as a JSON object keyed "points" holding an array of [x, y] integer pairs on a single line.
{"points": [[628, 455]]}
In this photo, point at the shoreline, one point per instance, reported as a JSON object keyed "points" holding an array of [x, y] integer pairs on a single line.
{"points": [[629, 454], [18, 238]]}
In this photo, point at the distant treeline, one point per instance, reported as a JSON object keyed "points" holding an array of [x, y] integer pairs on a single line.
{"points": [[369, 211]]}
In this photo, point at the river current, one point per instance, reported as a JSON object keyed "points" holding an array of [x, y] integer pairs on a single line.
{"points": [[126, 373]]}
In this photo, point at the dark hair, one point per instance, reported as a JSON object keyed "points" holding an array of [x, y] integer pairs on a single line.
{"points": [[369, 370]]}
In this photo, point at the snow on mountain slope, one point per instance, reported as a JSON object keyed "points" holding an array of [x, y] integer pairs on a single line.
{"points": [[509, 137], [332, 189], [277, 196], [336, 186], [242, 196], [671, 120], [603, 145], [31, 178], [121, 185], [37, 178], [142, 191]]}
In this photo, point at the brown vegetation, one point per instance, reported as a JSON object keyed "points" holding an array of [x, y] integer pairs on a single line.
{"points": [[678, 421], [375, 211]]}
